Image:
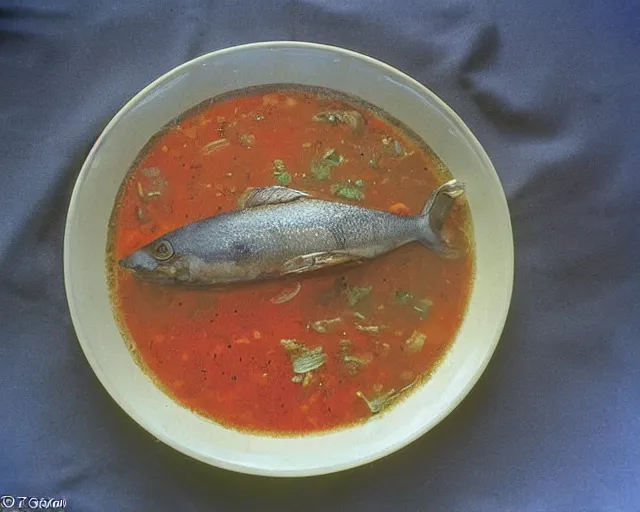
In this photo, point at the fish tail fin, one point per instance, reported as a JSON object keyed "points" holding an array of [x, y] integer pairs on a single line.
{"points": [[434, 215]]}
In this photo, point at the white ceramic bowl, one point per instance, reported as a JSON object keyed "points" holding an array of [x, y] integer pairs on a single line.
{"points": [[309, 64]]}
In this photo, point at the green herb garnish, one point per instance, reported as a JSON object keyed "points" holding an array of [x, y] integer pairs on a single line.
{"points": [[404, 297], [280, 173], [321, 170], [283, 178], [347, 191], [357, 293]]}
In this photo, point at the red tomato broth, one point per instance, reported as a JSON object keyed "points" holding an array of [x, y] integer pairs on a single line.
{"points": [[219, 352]]}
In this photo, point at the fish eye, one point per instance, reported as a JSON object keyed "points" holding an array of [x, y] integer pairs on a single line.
{"points": [[163, 251]]}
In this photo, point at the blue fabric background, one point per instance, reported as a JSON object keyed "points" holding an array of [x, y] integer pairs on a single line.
{"points": [[551, 89]]}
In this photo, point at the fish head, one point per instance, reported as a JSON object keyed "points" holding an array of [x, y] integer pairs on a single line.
{"points": [[158, 262]]}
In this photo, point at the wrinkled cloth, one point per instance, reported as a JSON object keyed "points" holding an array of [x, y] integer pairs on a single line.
{"points": [[550, 88]]}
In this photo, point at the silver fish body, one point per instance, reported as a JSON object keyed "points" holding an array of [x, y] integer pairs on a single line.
{"points": [[282, 231]]}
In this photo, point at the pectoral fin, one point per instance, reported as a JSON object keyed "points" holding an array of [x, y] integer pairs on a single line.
{"points": [[269, 195], [317, 261]]}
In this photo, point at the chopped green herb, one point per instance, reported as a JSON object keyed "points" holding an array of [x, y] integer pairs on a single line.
{"points": [[357, 293], [415, 342], [423, 307], [398, 149], [404, 297], [333, 157], [297, 378], [359, 183], [321, 170], [359, 316], [283, 178], [373, 163], [347, 191], [323, 326], [280, 173]]}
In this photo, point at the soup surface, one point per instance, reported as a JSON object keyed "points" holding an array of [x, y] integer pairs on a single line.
{"points": [[371, 333]]}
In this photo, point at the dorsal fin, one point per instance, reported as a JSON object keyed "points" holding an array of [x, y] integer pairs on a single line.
{"points": [[269, 195]]}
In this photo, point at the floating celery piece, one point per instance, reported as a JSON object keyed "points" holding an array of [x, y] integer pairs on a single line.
{"points": [[378, 403], [381, 402], [309, 360]]}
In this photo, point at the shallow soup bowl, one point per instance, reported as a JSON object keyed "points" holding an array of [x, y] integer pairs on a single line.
{"points": [[308, 64]]}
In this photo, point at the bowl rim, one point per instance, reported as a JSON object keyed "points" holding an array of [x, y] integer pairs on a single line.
{"points": [[373, 455]]}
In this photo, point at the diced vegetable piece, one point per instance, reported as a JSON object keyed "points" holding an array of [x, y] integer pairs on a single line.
{"points": [[356, 294], [278, 165], [333, 157], [292, 345], [375, 329], [307, 379], [247, 140], [404, 297], [415, 342], [323, 326], [422, 307]]}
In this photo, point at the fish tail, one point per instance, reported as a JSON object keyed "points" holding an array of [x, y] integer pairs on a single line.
{"points": [[434, 215]]}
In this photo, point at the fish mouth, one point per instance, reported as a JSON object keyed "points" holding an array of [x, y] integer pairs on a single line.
{"points": [[126, 263]]}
